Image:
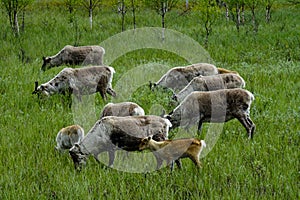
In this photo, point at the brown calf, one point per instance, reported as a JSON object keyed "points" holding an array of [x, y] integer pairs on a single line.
{"points": [[170, 150]]}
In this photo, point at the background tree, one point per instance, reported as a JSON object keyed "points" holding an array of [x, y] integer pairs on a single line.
{"points": [[13, 8], [90, 5], [268, 4], [162, 7], [253, 4], [209, 12], [123, 6], [71, 4], [237, 10], [122, 9], [134, 6]]}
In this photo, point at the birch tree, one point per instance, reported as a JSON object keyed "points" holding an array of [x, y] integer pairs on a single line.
{"points": [[237, 8], [162, 7], [209, 12], [268, 4], [253, 4], [13, 8], [91, 5], [122, 9], [71, 4], [134, 6]]}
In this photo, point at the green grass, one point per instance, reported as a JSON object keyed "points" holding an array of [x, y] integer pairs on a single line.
{"points": [[236, 168]]}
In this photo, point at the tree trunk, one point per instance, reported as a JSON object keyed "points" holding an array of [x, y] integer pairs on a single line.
{"points": [[123, 21], [23, 21], [207, 27], [163, 26], [91, 17], [122, 10], [133, 14], [254, 20], [268, 13], [238, 17], [163, 14], [16, 28], [243, 14], [91, 14], [226, 12], [70, 7]]}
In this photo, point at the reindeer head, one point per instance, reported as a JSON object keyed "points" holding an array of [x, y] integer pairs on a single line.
{"points": [[46, 63], [145, 143], [152, 85], [78, 157]]}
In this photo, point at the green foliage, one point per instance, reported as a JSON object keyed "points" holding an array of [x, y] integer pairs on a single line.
{"points": [[161, 6], [14, 8], [236, 168], [209, 12]]}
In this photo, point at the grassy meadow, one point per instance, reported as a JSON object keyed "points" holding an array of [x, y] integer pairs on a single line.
{"points": [[266, 167]]}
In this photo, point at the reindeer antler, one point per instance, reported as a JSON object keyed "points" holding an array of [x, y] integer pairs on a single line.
{"points": [[36, 84]]}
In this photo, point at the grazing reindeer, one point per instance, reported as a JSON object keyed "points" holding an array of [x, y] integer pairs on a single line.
{"points": [[85, 55], [178, 77], [211, 83], [112, 133], [214, 106], [80, 81]]}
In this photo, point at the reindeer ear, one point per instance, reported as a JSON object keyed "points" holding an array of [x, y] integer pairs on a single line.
{"points": [[163, 112], [168, 117]]}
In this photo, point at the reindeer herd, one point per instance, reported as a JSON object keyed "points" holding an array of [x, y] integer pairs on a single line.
{"points": [[204, 93]]}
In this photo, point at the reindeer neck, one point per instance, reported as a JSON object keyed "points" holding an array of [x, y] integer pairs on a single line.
{"points": [[158, 145]]}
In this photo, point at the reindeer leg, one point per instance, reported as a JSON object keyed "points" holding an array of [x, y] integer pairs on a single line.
{"points": [[103, 94], [178, 163], [199, 127], [195, 160], [158, 161], [111, 155], [171, 164]]}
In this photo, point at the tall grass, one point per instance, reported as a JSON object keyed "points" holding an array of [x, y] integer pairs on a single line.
{"points": [[236, 168]]}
